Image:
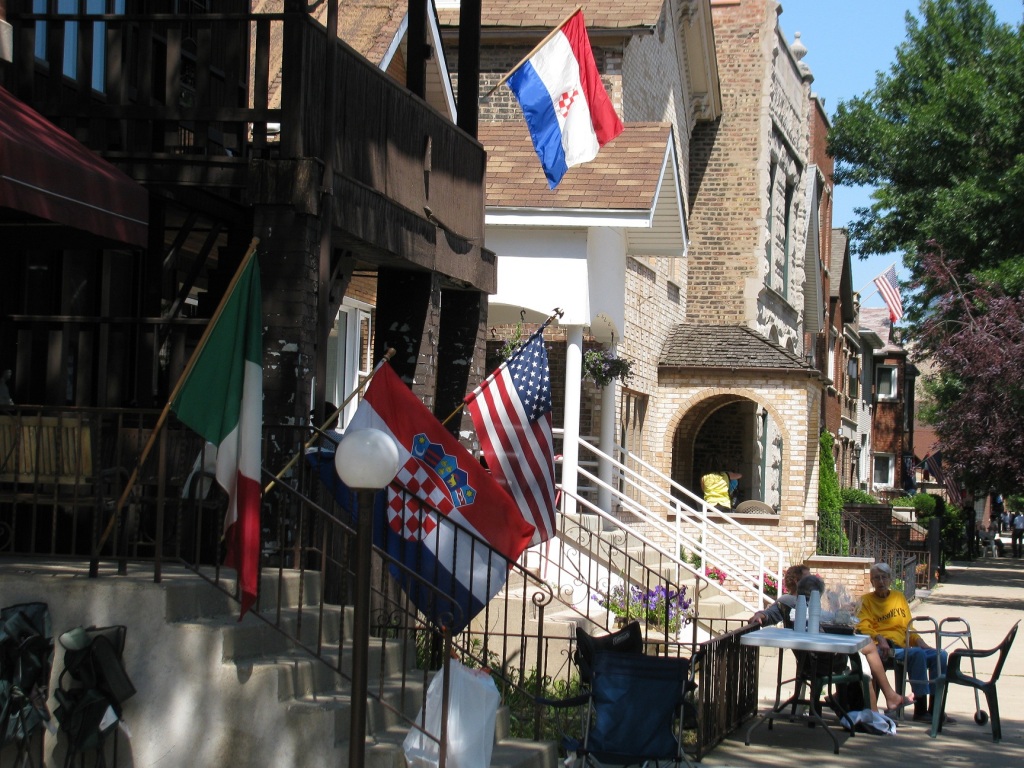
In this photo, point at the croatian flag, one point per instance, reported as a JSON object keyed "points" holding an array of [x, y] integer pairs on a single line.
{"points": [[443, 517], [566, 106]]}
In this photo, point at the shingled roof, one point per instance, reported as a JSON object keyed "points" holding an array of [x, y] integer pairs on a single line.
{"points": [[544, 14], [726, 346], [624, 175]]}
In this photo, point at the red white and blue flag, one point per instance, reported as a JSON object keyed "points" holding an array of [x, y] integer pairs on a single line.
{"points": [[933, 463], [511, 411], [565, 104], [889, 289], [444, 517]]}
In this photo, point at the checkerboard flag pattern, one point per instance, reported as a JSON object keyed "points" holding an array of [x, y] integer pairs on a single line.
{"points": [[443, 517]]}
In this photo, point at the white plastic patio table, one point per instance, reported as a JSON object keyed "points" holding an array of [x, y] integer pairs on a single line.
{"points": [[813, 642]]}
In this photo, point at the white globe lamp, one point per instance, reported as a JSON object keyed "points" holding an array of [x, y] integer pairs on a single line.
{"points": [[366, 458]]}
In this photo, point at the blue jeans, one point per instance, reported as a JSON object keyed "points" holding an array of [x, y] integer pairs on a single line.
{"points": [[922, 664]]}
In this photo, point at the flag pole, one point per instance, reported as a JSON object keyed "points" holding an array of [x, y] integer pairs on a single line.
{"points": [[94, 562], [871, 282], [557, 312], [362, 385], [526, 58]]}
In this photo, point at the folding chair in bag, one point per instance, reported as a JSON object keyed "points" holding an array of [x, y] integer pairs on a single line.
{"points": [[91, 692], [635, 705], [26, 656]]}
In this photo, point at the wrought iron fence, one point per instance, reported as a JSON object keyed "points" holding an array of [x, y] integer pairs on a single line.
{"points": [[62, 472]]}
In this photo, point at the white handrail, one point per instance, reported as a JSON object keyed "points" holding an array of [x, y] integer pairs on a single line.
{"points": [[743, 553]]}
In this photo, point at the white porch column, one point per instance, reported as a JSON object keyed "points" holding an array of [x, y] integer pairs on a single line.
{"points": [[571, 423], [607, 443]]}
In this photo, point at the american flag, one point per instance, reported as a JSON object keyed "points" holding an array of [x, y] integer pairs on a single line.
{"points": [[889, 288], [511, 411], [933, 462]]}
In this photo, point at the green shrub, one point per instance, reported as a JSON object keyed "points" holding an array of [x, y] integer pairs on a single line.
{"points": [[903, 501], [924, 505], [856, 496], [831, 537]]}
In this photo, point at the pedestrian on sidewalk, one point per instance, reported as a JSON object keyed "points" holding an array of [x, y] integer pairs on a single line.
{"points": [[1018, 533]]}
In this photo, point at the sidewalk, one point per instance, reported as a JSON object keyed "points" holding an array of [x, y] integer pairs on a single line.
{"points": [[989, 595]]}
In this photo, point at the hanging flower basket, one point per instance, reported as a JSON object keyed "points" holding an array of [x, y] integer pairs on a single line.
{"points": [[604, 367]]}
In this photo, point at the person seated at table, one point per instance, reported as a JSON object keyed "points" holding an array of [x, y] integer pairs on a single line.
{"points": [[779, 610], [884, 614], [799, 581]]}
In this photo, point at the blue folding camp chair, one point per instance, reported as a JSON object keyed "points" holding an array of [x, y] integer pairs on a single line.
{"points": [[635, 706]]}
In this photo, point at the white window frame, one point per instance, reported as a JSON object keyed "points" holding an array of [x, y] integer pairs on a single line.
{"points": [[890, 459], [892, 372]]}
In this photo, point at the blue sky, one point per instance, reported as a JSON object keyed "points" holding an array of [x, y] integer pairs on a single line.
{"points": [[847, 43]]}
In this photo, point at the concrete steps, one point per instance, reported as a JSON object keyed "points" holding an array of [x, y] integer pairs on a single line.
{"points": [[213, 690]]}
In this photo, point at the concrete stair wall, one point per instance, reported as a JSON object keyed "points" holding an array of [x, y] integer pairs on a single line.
{"points": [[215, 691]]}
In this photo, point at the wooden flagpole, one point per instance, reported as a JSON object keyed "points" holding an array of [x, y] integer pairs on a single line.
{"points": [[555, 313], [526, 58], [94, 563], [362, 385]]}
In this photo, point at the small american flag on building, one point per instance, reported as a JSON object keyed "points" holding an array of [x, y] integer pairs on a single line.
{"points": [[889, 289], [511, 411]]}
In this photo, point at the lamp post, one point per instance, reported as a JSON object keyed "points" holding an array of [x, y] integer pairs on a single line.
{"points": [[366, 460]]}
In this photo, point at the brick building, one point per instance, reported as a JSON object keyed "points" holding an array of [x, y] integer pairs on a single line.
{"points": [[719, 303], [892, 430]]}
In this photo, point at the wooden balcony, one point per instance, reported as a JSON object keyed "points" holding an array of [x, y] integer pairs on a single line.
{"points": [[233, 104]]}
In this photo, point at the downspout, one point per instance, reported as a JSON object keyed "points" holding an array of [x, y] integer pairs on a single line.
{"points": [[764, 454]]}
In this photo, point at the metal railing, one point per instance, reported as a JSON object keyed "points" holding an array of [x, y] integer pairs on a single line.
{"points": [[174, 513], [681, 523], [868, 540]]}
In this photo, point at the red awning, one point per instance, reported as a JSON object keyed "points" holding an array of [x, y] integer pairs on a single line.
{"points": [[47, 173]]}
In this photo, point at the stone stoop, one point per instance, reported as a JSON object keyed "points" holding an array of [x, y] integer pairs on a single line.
{"points": [[212, 690]]}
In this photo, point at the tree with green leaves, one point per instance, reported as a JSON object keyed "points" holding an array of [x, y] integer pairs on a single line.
{"points": [[941, 138]]}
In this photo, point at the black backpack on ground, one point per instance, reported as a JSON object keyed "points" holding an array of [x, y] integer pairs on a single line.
{"points": [[91, 690]]}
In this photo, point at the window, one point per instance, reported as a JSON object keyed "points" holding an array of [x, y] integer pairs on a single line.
{"points": [[885, 382], [70, 30], [790, 219], [884, 470], [768, 223], [852, 377]]}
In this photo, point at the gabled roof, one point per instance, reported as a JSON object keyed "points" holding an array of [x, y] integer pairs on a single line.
{"points": [[633, 182], [726, 346], [541, 14], [877, 319], [841, 270], [375, 29]]}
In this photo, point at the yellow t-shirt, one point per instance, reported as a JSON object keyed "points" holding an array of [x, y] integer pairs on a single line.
{"points": [[716, 488], [888, 617]]}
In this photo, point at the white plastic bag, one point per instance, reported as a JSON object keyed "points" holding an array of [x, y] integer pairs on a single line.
{"points": [[472, 709]]}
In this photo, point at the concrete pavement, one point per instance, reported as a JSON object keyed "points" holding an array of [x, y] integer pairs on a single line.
{"points": [[989, 594]]}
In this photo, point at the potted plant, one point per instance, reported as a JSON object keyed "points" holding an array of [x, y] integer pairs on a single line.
{"points": [[659, 608], [716, 573], [603, 367]]}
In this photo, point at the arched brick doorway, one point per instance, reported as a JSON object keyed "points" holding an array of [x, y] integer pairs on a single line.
{"points": [[729, 432]]}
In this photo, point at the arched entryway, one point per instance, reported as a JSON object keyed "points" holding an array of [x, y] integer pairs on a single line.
{"points": [[730, 432]]}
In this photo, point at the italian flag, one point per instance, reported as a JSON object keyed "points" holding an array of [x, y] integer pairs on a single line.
{"points": [[221, 398]]}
